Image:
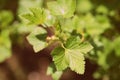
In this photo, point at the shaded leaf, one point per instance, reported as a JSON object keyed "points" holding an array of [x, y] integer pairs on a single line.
{"points": [[59, 58], [37, 39]]}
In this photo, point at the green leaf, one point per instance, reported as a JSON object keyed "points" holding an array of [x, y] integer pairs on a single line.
{"points": [[103, 55], [63, 8], [85, 47], [50, 18], [5, 53], [102, 9], [94, 25], [74, 52], [71, 55], [67, 25], [117, 46], [6, 18], [59, 58], [35, 16], [57, 75], [37, 39], [76, 60], [49, 70], [84, 6], [74, 43], [24, 5], [5, 45]]}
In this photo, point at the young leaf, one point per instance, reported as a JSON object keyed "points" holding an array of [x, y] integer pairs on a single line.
{"points": [[85, 47], [67, 25], [50, 19], [74, 52], [71, 55], [37, 39], [25, 4], [74, 43], [36, 16], [76, 60], [59, 58], [64, 8]]}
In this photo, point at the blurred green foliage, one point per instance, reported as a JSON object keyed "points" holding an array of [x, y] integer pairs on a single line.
{"points": [[6, 18], [96, 21]]}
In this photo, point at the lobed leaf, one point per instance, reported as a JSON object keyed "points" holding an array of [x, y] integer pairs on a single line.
{"points": [[59, 58], [35, 16], [71, 55], [37, 39]]}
